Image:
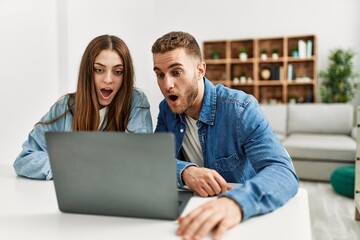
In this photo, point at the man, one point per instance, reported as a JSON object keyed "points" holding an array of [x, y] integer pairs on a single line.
{"points": [[222, 137]]}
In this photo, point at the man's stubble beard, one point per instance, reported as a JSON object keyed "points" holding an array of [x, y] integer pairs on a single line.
{"points": [[191, 94]]}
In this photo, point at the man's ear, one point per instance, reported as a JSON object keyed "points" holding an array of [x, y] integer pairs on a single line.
{"points": [[201, 70]]}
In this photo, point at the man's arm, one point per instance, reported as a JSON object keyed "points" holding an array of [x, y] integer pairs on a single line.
{"points": [[274, 183]]}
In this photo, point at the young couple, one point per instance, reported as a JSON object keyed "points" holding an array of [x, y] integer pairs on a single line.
{"points": [[221, 134]]}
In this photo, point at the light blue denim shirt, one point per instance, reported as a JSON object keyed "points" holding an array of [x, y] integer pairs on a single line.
{"points": [[238, 142], [33, 160]]}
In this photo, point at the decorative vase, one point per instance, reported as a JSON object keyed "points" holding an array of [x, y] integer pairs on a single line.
{"points": [[295, 53], [236, 80], [263, 56], [275, 56], [243, 57]]}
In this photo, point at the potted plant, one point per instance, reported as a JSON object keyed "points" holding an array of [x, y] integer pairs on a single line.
{"points": [[338, 85], [275, 54], [243, 77], [243, 54], [295, 53], [292, 98], [263, 54], [215, 54]]}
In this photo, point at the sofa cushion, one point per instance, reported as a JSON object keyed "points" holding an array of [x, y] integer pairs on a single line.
{"points": [[320, 118], [328, 147], [276, 114]]}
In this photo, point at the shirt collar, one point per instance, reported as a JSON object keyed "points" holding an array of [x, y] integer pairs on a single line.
{"points": [[208, 108]]}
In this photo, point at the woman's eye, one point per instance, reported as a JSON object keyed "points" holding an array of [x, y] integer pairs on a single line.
{"points": [[98, 70], [119, 72]]}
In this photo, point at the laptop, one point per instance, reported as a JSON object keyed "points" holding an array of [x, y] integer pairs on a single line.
{"points": [[116, 173]]}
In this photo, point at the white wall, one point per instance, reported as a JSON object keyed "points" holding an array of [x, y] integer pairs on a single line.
{"points": [[28, 66], [63, 29], [335, 22]]}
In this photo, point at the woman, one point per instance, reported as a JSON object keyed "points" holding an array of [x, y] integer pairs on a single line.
{"points": [[105, 100]]}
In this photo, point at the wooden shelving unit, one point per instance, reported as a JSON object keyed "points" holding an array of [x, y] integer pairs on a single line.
{"points": [[224, 66], [357, 170]]}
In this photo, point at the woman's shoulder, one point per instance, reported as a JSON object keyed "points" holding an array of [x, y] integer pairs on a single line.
{"points": [[140, 99], [59, 108], [61, 105], [137, 93], [63, 101]]}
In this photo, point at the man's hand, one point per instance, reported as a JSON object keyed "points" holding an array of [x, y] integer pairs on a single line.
{"points": [[204, 181], [220, 215]]}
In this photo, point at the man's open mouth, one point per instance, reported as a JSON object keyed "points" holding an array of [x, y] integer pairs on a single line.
{"points": [[173, 97]]}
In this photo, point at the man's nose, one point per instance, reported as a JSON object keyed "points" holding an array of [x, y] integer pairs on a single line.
{"points": [[168, 82]]}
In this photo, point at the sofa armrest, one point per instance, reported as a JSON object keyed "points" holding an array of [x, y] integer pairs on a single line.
{"points": [[354, 133]]}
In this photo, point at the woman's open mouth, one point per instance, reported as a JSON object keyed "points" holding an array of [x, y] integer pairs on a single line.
{"points": [[106, 92]]}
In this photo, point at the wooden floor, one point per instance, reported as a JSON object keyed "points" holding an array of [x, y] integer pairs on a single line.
{"points": [[332, 215]]}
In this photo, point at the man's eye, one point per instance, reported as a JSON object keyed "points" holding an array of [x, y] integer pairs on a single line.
{"points": [[160, 75], [177, 72]]}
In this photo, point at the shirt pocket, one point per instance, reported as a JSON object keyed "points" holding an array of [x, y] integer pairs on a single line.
{"points": [[229, 168]]}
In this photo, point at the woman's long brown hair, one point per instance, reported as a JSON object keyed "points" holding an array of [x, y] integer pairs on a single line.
{"points": [[84, 105]]}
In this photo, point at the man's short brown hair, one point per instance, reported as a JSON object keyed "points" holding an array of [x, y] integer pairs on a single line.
{"points": [[174, 40]]}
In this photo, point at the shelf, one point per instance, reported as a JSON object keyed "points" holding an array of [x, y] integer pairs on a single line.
{"points": [[271, 60], [292, 59], [270, 82], [242, 84], [268, 78], [237, 60], [215, 50], [269, 45], [294, 82], [246, 45], [216, 61]]}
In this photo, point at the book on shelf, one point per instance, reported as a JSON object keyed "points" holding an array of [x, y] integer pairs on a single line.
{"points": [[303, 79], [290, 72], [302, 48], [275, 72], [309, 48], [282, 73]]}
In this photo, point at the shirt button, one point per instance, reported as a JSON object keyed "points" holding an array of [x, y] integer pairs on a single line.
{"points": [[182, 130]]}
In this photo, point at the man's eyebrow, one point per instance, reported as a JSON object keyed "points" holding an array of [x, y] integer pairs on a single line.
{"points": [[171, 66], [175, 65]]}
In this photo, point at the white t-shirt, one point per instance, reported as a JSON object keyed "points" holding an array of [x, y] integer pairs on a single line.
{"points": [[191, 145], [102, 115]]}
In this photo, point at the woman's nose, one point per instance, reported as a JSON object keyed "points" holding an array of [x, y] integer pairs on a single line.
{"points": [[108, 77]]}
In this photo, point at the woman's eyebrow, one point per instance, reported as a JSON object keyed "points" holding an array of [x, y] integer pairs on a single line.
{"points": [[118, 65]]}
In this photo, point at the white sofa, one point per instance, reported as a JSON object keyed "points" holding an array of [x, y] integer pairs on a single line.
{"points": [[318, 137]]}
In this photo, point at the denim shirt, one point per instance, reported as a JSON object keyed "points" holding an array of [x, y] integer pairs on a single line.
{"points": [[238, 142], [33, 160]]}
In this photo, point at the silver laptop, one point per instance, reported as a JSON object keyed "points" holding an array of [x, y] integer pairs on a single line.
{"points": [[116, 173]]}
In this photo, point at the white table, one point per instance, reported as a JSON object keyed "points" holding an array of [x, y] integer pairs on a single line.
{"points": [[28, 210]]}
